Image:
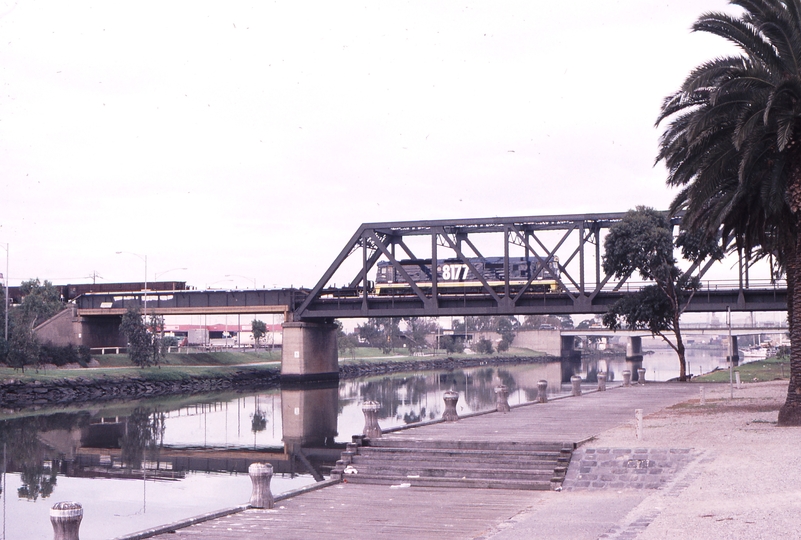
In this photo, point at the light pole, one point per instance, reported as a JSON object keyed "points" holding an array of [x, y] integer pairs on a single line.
{"points": [[144, 258], [244, 277], [5, 279], [157, 274]]}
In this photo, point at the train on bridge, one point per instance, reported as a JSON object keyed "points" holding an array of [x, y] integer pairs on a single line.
{"points": [[455, 276]]}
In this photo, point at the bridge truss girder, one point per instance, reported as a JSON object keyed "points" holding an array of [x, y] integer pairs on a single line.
{"points": [[572, 240]]}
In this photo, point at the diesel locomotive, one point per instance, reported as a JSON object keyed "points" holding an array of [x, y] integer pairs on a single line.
{"points": [[454, 276]]}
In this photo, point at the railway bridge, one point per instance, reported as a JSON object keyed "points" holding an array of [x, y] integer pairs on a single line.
{"points": [[540, 265]]}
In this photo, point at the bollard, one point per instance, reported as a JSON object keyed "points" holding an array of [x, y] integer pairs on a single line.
{"points": [[638, 423], [66, 520], [626, 377], [641, 375], [703, 397], [602, 382], [737, 378], [575, 380], [542, 391], [450, 414], [502, 399], [260, 476], [371, 428]]}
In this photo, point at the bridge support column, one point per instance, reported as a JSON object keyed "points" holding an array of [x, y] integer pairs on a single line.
{"points": [[735, 352], [634, 356], [309, 352]]}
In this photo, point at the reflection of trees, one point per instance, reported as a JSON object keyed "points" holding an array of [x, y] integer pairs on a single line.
{"points": [[143, 438], [258, 421], [26, 453]]}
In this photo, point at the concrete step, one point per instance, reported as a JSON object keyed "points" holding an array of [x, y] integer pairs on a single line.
{"points": [[473, 483], [388, 442], [423, 460], [447, 453], [494, 473]]}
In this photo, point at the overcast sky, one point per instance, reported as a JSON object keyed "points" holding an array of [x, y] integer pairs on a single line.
{"points": [[252, 138]]}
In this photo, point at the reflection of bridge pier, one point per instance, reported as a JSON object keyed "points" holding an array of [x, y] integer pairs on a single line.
{"points": [[309, 416]]}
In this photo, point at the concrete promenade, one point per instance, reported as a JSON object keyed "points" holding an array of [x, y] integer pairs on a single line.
{"points": [[378, 512]]}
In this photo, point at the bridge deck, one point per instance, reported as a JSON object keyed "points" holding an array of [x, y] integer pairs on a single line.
{"points": [[378, 512]]}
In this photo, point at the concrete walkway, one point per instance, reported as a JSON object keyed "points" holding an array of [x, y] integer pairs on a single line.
{"points": [[377, 512]]}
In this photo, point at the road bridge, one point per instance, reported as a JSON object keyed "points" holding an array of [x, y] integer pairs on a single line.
{"points": [[491, 266]]}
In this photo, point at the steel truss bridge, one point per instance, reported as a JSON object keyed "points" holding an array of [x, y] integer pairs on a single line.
{"points": [[569, 243]]}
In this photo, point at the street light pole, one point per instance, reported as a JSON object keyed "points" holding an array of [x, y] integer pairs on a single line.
{"points": [[144, 258], [245, 277], [5, 279]]}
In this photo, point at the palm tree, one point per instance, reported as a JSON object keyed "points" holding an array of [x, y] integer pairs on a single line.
{"points": [[733, 143]]}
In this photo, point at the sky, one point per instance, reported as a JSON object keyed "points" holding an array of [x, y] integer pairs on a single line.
{"points": [[239, 143]]}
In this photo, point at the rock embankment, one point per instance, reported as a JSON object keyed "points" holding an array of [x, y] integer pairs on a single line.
{"points": [[16, 394], [364, 369]]}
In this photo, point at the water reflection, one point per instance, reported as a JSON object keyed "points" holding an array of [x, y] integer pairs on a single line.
{"points": [[211, 440]]}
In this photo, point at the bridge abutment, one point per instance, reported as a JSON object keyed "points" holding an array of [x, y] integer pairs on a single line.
{"points": [[309, 352]]}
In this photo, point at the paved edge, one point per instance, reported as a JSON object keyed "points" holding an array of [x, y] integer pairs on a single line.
{"points": [[182, 524]]}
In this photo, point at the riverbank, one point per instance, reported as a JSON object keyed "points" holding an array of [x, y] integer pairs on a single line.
{"points": [[64, 387]]}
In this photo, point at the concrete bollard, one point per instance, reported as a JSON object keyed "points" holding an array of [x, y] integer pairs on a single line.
{"points": [[260, 476], [737, 379], [542, 391], [641, 375], [626, 377], [450, 414], [702, 401], [502, 399], [575, 380], [638, 423], [371, 428], [66, 520], [602, 382]]}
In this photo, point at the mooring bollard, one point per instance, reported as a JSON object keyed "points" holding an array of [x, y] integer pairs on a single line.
{"points": [[260, 476], [638, 423], [371, 428], [703, 397], [641, 375], [626, 377], [575, 380], [450, 414], [602, 382], [542, 391], [66, 520], [502, 399]]}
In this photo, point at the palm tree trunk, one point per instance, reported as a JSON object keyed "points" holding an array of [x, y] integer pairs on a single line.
{"points": [[790, 413]]}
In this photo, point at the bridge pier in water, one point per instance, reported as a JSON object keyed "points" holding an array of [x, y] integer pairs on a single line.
{"points": [[309, 352], [634, 356]]}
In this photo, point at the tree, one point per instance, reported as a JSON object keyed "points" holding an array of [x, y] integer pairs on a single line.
{"points": [[40, 301], [733, 144], [381, 333], [259, 329], [145, 347], [643, 242]]}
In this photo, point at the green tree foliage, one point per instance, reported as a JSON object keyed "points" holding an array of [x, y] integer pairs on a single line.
{"points": [[40, 301], [145, 345], [382, 333], [732, 144], [643, 242], [451, 344], [259, 329], [417, 331], [484, 346]]}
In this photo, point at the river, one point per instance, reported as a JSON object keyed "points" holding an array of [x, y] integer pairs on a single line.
{"points": [[141, 464]]}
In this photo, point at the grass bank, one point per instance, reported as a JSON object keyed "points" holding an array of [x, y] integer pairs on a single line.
{"points": [[210, 364], [770, 369]]}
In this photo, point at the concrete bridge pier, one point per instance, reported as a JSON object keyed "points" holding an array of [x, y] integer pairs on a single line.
{"points": [[634, 356], [735, 352], [570, 358], [309, 352]]}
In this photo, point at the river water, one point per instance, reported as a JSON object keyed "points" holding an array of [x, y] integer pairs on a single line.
{"points": [[140, 464]]}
